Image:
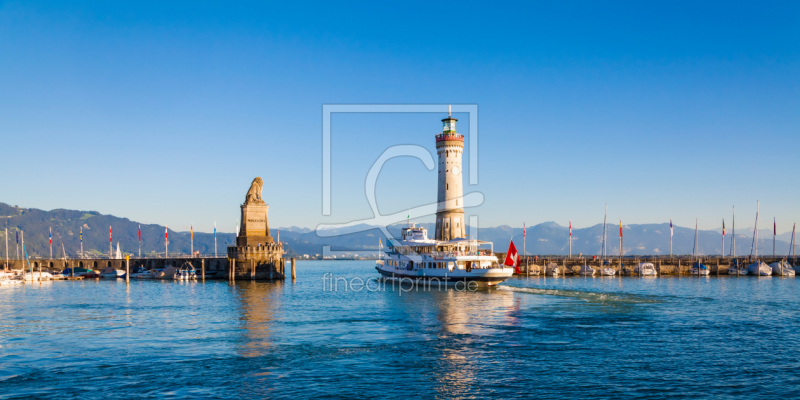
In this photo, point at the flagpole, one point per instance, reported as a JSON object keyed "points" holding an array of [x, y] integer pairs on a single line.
{"points": [[215, 239], [570, 239], [81, 242], [620, 247], [51, 243], [7, 267], [110, 245], [733, 234], [191, 237], [774, 233], [723, 238], [140, 241], [605, 225], [166, 242], [670, 239]]}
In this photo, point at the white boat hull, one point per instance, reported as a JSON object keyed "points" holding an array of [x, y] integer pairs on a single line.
{"points": [[732, 271], [607, 272], [37, 276], [488, 277], [760, 269], [782, 268]]}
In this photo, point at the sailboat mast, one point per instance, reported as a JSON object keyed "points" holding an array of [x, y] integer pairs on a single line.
{"points": [[758, 206], [694, 250], [794, 254]]}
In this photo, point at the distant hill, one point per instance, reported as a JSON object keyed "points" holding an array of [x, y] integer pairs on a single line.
{"points": [[548, 238], [67, 224]]}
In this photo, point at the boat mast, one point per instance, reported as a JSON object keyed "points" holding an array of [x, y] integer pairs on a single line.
{"points": [[794, 257], [694, 250]]}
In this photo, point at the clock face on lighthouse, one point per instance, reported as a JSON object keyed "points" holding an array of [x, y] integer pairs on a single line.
{"points": [[456, 171]]}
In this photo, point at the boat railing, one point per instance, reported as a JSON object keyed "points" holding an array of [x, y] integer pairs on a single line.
{"points": [[451, 254]]}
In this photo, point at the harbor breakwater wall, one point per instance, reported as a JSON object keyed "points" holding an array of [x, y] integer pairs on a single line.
{"points": [[663, 265], [215, 267]]}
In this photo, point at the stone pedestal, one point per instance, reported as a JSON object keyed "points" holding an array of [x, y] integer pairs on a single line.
{"points": [[256, 255]]}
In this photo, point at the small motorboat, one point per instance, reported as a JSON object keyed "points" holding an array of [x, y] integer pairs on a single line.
{"points": [[551, 269], [37, 276], [759, 268], [699, 269], [587, 271], [141, 273], [166, 273], [111, 273], [646, 268], [607, 271], [186, 273], [68, 272], [732, 270], [91, 274], [782, 268]]}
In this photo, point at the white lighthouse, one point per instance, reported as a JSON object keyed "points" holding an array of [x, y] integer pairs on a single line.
{"points": [[450, 212]]}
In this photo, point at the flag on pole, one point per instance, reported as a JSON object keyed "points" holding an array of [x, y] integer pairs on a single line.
{"points": [[670, 227], [81, 234], [570, 228], [620, 228], [524, 231], [109, 234], [140, 233], [18, 236], [512, 257], [191, 232], [723, 227], [166, 235], [51, 236], [774, 227]]}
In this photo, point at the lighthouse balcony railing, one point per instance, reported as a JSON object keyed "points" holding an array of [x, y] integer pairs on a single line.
{"points": [[449, 136]]}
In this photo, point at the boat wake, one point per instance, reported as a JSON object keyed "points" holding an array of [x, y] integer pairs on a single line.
{"points": [[592, 297]]}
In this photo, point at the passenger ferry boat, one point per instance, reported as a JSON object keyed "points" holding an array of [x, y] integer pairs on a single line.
{"points": [[414, 258]]}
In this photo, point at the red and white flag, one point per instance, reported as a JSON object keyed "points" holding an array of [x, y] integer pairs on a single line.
{"points": [[570, 228], [670, 227], [166, 235], [512, 257], [109, 235], [524, 231]]}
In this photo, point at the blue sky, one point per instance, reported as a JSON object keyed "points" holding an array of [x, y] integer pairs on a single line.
{"points": [[163, 112]]}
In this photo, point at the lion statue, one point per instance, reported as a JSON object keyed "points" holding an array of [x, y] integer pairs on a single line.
{"points": [[254, 194]]}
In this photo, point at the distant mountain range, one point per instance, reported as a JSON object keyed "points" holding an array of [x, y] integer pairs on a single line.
{"points": [[547, 238]]}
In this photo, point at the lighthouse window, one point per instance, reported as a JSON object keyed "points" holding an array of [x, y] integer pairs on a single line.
{"points": [[448, 186]]}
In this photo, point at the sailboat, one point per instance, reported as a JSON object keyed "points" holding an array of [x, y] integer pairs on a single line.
{"points": [[783, 268], [793, 253], [757, 268]]}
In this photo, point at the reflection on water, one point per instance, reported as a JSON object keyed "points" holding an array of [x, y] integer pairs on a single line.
{"points": [[586, 337], [258, 301]]}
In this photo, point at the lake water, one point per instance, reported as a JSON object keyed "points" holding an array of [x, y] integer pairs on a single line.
{"points": [[531, 337]]}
